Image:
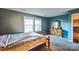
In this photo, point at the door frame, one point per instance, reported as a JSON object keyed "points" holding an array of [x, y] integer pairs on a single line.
{"points": [[72, 24]]}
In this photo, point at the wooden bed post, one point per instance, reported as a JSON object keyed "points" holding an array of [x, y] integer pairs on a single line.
{"points": [[48, 42]]}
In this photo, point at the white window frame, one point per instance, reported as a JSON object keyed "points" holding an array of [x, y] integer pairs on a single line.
{"points": [[38, 25], [34, 25], [25, 30]]}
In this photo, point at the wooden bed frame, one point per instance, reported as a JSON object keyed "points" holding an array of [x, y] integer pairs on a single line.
{"points": [[27, 45]]}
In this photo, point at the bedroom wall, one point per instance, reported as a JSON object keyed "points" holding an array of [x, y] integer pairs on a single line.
{"points": [[66, 21], [12, 21], [65, 24], [44, 22]]}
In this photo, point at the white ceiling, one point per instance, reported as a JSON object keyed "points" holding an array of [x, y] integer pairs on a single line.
{"points": [[45, 12]]}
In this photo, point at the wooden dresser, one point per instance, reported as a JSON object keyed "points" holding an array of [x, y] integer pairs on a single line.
{"points": [[56, 31], [56, 28]]}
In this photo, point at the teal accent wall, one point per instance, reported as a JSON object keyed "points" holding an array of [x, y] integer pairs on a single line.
{"points": [[44, 25], [65, 24]]}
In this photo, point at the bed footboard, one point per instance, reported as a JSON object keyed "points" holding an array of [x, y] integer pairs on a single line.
{"points": [[26, 46]]}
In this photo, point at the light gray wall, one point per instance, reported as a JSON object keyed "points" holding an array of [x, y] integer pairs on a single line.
{"points": [[10, 21]]}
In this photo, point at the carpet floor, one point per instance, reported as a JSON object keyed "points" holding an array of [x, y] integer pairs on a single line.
{"points": [[61, 44]]}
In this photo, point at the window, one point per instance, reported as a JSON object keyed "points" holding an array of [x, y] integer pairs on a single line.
{"points": [[28, 25], [37, 24], [32, 24]]}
